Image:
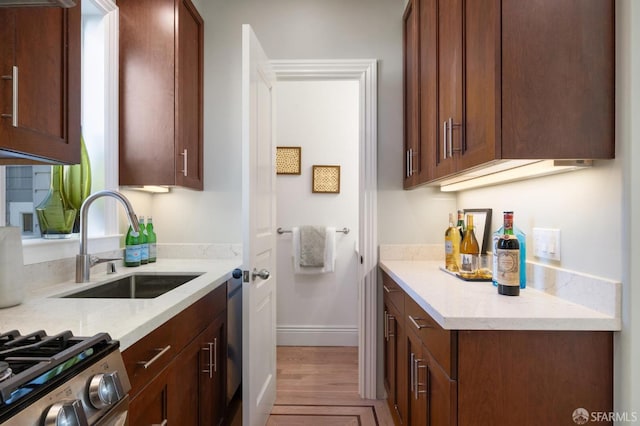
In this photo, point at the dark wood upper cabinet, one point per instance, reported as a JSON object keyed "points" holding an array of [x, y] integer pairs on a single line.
{"points": [[515, 80], [411, 93], [161, 93], [40, 85]]}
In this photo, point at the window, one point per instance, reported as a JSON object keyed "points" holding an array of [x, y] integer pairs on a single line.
{"points": [[22, 188]]}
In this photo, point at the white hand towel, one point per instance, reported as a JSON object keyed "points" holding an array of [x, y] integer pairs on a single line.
{"points": [[329, 253]]}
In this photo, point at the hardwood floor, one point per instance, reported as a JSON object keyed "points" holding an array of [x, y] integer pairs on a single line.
{"points": [[319, 386]]}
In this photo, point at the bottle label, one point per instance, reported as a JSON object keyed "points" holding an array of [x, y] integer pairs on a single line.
{"points": [[508, 267], [469, 263], [153, 250], [448, 247], [132, 254], [144, 251]]}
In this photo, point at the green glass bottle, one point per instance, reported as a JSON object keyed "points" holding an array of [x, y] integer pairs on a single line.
{"points": [[144, 244], [132, 248], [55, 215], [151, 239]]}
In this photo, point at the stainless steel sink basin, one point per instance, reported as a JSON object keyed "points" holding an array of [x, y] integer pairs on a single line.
{"points": [[137, 286]]}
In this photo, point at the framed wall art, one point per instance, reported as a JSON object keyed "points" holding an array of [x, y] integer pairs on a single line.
{"points": [[326, 179], [288, 159]]}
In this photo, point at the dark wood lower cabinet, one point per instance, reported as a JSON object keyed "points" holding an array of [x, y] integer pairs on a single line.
{"points": [[491, 377], [184, 380]]}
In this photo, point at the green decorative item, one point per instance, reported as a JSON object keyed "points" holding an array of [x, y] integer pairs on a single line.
{"points": [[77, 182], [55, 215]]}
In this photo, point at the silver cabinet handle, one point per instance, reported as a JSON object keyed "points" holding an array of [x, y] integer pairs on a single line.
{"points": [[184, 161], [162, 351], [415, 320], [215, 354], [209, 368], [444, 140], [451, 126], [14, 102], [389, 290], [386, 326], [407, 165], [389, 333], [416, 379], [411, 375]]}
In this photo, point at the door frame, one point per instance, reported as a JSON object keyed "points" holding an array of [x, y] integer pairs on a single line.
{"points": [[365, 72]]}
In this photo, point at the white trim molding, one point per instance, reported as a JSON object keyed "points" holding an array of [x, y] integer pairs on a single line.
{"points": [[312, 335], [364, 71]]}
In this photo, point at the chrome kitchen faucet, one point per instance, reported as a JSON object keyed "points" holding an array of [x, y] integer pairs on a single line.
{"points": [[85, 261]]}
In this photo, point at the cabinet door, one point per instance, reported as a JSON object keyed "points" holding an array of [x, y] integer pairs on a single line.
{"points": [[483, 114], [395, 373], [214, 343], [150, 407], [189, 103], [411, 92], [197, 379], [558, 79], [449, 85], [440, 393], [40, 84], [416, 362], [430, 133]]}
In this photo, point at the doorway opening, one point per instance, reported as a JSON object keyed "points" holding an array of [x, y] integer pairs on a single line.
{"points": [[326, 90]]}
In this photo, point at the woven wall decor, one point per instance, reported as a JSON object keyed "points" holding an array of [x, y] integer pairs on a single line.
{"points": [[326, 179], [288, 160]]}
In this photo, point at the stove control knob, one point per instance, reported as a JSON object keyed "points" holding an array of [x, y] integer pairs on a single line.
{"points": [[66, 413], [105, 390]]}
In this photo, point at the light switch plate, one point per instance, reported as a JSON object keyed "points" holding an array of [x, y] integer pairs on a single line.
{"points": [[546, 243]]}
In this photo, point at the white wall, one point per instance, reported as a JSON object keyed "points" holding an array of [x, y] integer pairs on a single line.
{"points": [[322, 118]]}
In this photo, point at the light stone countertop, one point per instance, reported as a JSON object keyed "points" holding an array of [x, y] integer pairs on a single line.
{"points": [[126, 320], [461, 305]]}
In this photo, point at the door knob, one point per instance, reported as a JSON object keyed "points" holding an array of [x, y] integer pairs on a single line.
{"points": [[263, 273]]}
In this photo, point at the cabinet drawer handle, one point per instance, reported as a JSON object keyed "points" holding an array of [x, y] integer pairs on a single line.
{"points": [[411, 375], [184, 161], [389, 290], [386, 326], [162, 351], [215, 354], [389, 333], [14, 109], [415, 323], [407, 165]]}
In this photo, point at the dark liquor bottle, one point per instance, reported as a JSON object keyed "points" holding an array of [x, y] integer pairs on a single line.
{"points": [[508, 252]]}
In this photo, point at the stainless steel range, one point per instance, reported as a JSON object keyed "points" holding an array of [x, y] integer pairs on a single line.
{"points": [[62, 380]]}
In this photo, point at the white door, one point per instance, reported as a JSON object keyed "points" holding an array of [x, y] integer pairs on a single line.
{"points": [[259, 211]]}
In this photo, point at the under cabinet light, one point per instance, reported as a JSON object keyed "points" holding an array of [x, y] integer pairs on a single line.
{"points": [[526, 171], [154, 189]]}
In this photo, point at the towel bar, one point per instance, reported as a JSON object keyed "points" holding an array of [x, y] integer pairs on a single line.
{"points": [[344, 230]]}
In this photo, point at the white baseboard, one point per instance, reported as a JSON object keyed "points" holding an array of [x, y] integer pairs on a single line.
{"points": [[313, 335]]}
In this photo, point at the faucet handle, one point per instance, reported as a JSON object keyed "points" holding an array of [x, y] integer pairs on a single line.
{"points": [[95, 259]]}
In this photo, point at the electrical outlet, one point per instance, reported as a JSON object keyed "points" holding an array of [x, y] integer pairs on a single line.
{"points": [[546, 243]]}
